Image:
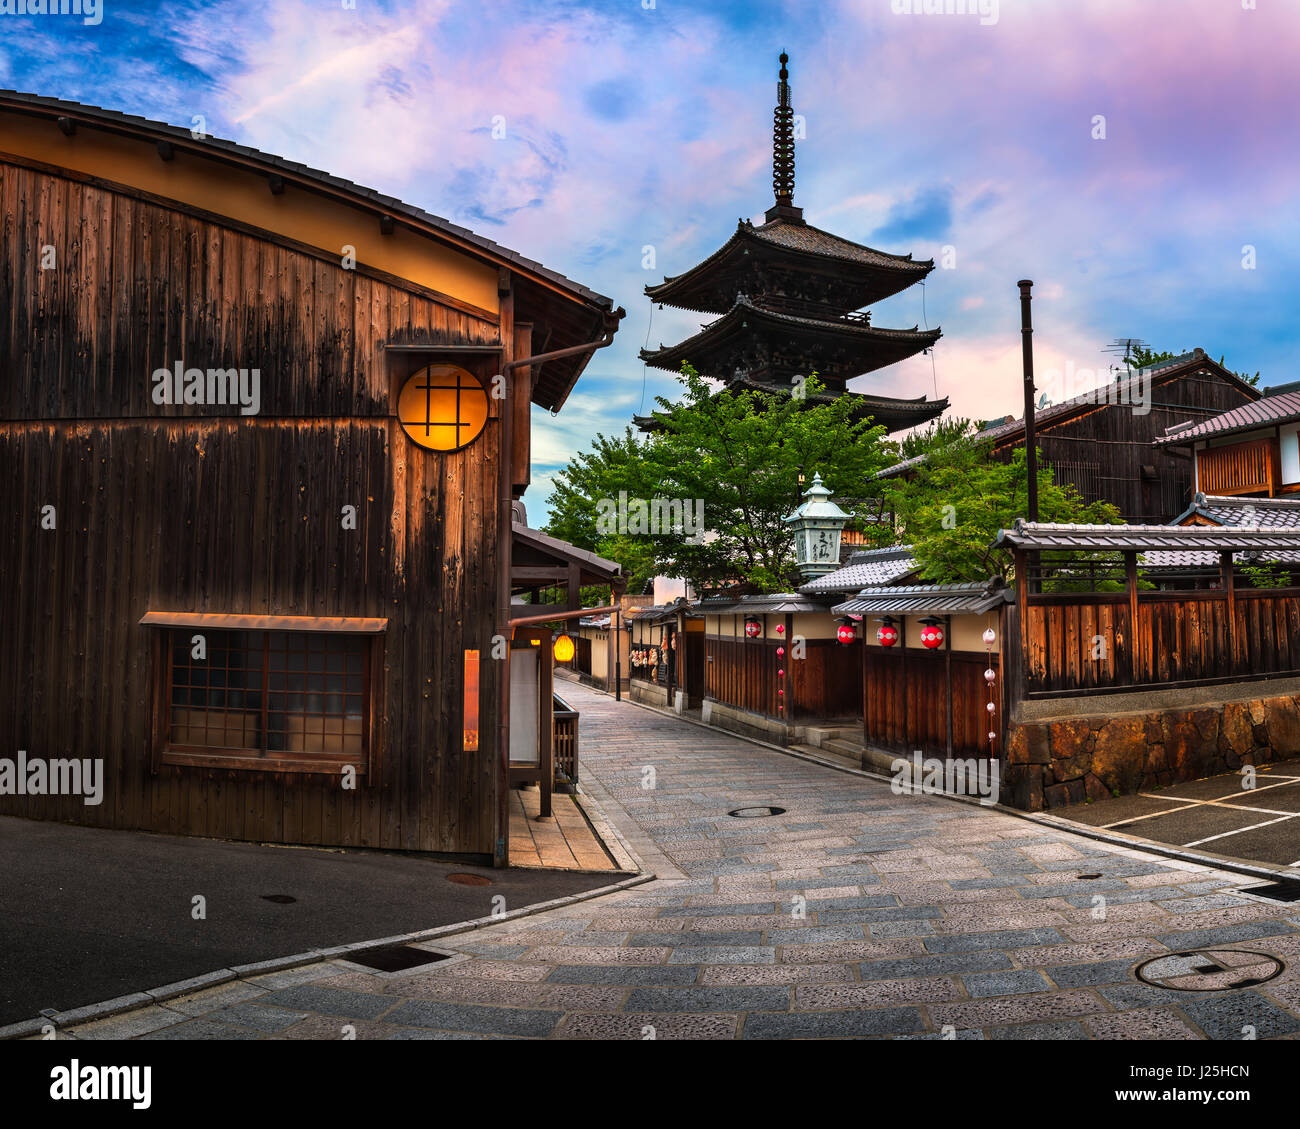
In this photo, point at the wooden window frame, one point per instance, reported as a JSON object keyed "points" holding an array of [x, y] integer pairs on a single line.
{"points": [[163, 753]]}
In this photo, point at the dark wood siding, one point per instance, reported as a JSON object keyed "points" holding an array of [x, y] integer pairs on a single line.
{"points": [[175, 509]]}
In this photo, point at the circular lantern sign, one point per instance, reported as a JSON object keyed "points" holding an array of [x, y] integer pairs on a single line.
{"points": [[887, 633], [753, 628], [846, 633], [442, 407], [931, 634], [563, 649]]}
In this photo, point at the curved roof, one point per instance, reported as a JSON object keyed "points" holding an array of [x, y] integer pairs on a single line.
{"points": [[864, 346], [866, 275], [1283, 407]]}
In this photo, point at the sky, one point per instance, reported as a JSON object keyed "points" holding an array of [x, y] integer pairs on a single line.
{"points": [[1136, 158]]}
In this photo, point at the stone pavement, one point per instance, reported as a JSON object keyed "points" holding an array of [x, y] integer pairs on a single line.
{"points": [[855, 913]]}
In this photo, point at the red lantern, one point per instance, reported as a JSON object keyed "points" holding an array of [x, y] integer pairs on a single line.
{"points": [[753, 627], [887, 633], [931, 634], [846, 633]]}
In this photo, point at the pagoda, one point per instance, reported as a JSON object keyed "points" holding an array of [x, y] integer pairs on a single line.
{"points": [[792, 302]]}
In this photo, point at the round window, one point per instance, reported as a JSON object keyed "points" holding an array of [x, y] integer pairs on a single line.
{"points": [[442, 407]]}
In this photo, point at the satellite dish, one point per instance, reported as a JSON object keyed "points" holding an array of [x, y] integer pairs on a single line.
{"points": [[1043, 402]]}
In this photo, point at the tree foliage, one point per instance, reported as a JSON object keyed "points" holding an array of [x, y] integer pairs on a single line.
{"points": [[954, 503], [739, 456]]}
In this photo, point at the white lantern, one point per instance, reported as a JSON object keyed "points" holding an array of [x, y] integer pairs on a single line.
{"points": [[990, 636], [818, 524]]}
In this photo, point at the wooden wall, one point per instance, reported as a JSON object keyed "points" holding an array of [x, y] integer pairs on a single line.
{"points": [[173, 509], [1182, 638], [825, 684], [907, 709], [1102, 450]]}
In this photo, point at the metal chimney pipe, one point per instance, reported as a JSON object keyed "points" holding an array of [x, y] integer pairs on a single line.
{"points": [[1031, 441]]}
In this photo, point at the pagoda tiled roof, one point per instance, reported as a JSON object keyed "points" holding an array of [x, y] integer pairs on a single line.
{"points": [[869, 275]]}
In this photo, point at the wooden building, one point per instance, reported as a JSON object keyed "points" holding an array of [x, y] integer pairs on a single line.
{"points": [[1252, 451], [260, 431], [1102, 442]]}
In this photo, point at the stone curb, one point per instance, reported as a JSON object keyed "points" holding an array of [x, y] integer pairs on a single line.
{"points": [[76, 1016]]}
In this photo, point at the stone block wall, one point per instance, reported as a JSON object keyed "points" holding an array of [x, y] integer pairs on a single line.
{"points": [[1066, 760]]}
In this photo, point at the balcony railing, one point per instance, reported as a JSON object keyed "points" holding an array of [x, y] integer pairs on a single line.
{"points": [[565, 720], [1243, 468]]}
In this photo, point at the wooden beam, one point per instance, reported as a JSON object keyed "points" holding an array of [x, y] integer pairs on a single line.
{"points": [[1228, 582], [574, 586], [166, 150], [276, 183], [1131, 581], [947, 663], [67, 127]]}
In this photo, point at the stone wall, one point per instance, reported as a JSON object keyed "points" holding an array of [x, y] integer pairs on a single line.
{"points": [[1068, 759]]}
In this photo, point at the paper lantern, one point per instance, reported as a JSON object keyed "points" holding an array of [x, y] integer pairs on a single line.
{"points": [[563, 649], [846, 633], [931, 633], [780, 628], [753, 627], [780, 652], [991, 707], [887, 633], [990, 636], [990, 675]]}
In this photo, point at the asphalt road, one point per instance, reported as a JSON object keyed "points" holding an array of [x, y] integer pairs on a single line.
{"points": [[1215, 815], [88, 915]]}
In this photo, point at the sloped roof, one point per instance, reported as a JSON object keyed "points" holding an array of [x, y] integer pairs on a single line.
{"points": [[779, 603], [1116, 392], [553, 547], [1130, 538], [1263, 513], [866, 569], [928, 599], [1282, 407]]}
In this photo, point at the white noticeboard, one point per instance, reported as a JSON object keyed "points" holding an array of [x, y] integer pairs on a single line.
{"points": [[524, 748]]}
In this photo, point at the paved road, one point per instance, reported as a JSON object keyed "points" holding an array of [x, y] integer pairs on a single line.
{"points": [[89, 915], [854, 913]]}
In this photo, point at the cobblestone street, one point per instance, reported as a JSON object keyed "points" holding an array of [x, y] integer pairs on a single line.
{"points": [[856, 912]]}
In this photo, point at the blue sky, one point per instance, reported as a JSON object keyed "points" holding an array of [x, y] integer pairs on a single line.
{"points": [[630, 125]]}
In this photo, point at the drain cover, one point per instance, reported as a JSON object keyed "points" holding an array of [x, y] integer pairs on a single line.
{"points": [[1088, 877], [279, 899], [396, 958], [1209, 970], [1276, 891], [756, 813], [469, 880]]}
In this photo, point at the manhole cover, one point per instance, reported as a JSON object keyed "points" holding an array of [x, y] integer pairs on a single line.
{"points": [[279, 899], [1088, 877], [396, 958], [469, 880], [1209, 970], [756, 813]]}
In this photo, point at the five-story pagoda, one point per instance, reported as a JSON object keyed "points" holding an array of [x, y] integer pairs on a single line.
{"points": [[791, 297]]}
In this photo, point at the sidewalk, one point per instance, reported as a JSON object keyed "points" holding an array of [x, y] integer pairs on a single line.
{"points": [[855, 912]]}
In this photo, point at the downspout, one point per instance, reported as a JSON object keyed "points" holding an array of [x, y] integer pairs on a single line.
{"points": [[505, 538]]}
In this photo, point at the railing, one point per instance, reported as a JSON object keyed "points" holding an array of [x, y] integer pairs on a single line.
{"points": [[565, 741], [1243, 468]]}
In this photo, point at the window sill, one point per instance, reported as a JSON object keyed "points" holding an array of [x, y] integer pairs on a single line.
{"points": [[328, 764]]}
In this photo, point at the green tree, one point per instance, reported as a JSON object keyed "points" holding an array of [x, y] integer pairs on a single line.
{"points": [[955, 502], [739, 457]]}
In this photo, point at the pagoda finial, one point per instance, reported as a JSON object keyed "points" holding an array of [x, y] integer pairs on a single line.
{"points": [[783, 150]]}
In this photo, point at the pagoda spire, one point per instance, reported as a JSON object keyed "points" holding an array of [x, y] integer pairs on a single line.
{"points": [[783, 151]]}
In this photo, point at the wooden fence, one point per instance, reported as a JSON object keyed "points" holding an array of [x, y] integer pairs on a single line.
{"points": [[1086, 643], [826, 683]]}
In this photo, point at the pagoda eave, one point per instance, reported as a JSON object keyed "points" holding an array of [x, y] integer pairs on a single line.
{"points": [[855, 275], [838, 349]]}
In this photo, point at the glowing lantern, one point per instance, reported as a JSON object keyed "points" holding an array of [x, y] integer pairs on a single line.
{"points": [[753, 627], [563, 649], [817, 526], [887, 633], [931, 633], [846, 633]]}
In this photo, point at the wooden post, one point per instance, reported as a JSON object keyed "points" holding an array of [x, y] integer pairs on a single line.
{"points": [[902, 641], [1022, 604], [1135, 636], [1228, 582], [866, 684], [546, 720], [947, 662]]}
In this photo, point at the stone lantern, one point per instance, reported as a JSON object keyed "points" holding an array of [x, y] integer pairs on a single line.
{"points": [[817, 524]]}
